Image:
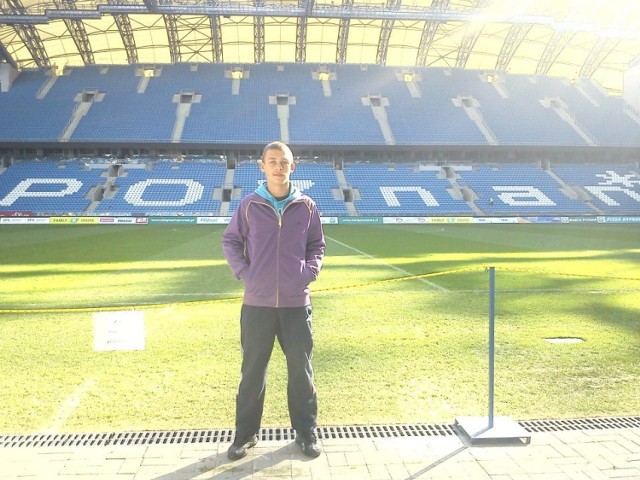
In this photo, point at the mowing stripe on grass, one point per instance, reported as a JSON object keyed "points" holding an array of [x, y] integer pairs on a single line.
{"points": [[398, 269]]}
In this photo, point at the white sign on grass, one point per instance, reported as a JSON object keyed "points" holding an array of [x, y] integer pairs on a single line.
{"points": [[118, 331]]}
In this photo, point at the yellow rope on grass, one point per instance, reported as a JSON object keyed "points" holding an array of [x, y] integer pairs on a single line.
{"points": [[328, 289]]}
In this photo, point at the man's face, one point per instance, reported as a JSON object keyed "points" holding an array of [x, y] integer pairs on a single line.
{"points": [[276, 167]]}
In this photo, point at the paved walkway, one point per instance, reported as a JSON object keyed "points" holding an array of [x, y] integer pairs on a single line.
{"points": [[587, 454]]}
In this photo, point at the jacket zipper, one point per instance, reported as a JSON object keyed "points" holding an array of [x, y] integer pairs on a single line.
{"points": [[279, 215]]}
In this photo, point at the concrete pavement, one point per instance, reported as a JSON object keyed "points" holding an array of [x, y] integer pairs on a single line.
{"points": [[557, 451]]}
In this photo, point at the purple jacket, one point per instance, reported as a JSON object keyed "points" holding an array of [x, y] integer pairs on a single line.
{"points": [[276, 257]]}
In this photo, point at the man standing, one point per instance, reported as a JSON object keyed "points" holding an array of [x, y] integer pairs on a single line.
{"points": [[275, 244]]}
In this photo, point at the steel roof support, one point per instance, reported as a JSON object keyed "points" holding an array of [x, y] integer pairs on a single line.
{"points": [[426, 40], [470, 38], [600, 51], [172, 35], [126, 33], [216, 38], [258, 34], [554, 47], [517, 33], [77, 31], [468, 41], [29, 35], [343, 35], [33, 42], [194, 51], [383, 42], [346, 10], [301, 30], [339, 10], [258, 40], [5, 55], [301, 35], [216, 35], [385, 33], [151, 6], [429, 33], [80, 38]]}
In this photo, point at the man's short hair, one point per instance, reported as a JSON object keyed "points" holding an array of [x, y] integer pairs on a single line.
{"points": [[278, 145]]}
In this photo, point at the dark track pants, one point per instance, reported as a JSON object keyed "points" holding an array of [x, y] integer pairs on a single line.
{"points": [[259, 327]]}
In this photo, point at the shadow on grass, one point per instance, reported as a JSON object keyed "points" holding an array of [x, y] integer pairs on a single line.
{"points": [[615, 315]]}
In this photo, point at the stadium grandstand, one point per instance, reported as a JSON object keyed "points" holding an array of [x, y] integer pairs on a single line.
{"points": [[404, 108], [443, 141]]}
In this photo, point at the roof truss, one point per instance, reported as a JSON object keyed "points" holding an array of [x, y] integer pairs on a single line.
{"points": [[452, 33]]}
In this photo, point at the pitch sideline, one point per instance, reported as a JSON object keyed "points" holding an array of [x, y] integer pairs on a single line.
{"points": [[398, 269]]}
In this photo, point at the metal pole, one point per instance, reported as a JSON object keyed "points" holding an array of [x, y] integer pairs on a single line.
{"points": [[476, 428], [492, 302]]}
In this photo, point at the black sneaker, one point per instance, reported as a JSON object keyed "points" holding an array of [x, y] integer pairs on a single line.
{"points": [[309, 444], [238, 448]]}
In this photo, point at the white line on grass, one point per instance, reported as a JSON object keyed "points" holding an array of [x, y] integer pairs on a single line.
{"points": [[67, 408], [401, 270]]}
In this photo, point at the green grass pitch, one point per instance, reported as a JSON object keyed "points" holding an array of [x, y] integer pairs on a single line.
{"points": [[400, 324]]}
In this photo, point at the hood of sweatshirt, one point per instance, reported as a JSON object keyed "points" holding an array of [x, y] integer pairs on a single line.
{"points": [[278, 205]]}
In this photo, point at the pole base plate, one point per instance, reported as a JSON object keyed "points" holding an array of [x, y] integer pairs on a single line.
{"points": [[503, 430]]}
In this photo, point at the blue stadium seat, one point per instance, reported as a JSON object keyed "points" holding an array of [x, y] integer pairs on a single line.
{"points": [[402, 190], [167, 189], [49, 188], [336, 116], [519, 190], [613, 189]]}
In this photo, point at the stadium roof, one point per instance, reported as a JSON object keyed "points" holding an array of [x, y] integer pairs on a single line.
{"points": [[568, 38]]}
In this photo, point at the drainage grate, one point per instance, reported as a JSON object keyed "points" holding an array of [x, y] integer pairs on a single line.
{"points": [[215, 436], [385, 431], [288, 434], [580, 424], [113, 439]]}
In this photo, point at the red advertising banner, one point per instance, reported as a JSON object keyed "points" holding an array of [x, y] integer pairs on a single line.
{"points": [[15, 214]]}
